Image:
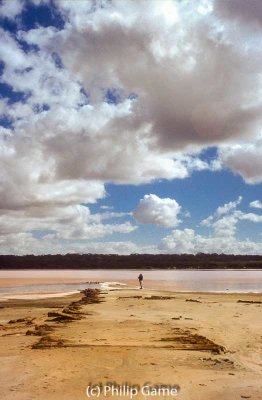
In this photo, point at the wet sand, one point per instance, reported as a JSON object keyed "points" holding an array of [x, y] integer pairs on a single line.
{"points": [[207, 344]]}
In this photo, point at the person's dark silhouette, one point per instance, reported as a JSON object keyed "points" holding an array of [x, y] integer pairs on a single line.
{"points": [[140, 278]]}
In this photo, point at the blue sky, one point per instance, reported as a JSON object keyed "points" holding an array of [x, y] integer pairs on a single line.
{"points": [[121, 132]]}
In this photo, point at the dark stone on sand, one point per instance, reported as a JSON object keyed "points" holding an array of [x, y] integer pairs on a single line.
{"points": [[185, 340], [40, 330], [194, 301], [69, 313], [63, 317], [159, 298], [26, 320], [90, 296], [48, 341], [249, 302]]}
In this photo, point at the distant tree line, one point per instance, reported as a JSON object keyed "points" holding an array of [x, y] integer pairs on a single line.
{"points": [[132, 261]]}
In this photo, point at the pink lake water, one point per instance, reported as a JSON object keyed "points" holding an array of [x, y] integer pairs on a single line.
{"points": [[43, 283]]}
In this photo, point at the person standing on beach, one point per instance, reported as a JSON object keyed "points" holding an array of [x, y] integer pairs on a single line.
{"points": [[140, 278]]}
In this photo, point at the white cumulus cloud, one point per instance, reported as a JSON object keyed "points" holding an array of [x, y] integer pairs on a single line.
{"points": [[154, 210]]}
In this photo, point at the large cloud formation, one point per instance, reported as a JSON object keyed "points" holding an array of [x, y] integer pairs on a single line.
{"points": [[124, 92], [188, 241], [222, 238]]}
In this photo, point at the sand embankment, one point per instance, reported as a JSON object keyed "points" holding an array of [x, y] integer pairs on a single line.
{"points": [[207, 344]]}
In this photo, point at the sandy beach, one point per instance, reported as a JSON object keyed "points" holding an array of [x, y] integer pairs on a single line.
{"points": [[206, 346]]}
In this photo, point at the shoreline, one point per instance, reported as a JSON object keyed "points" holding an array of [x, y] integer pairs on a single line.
{"points": [[108, 285], [130, 269], [38, 295]]}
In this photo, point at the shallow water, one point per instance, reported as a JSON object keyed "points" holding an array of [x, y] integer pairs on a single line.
{"points": [[39, 291], [53, 281]]}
